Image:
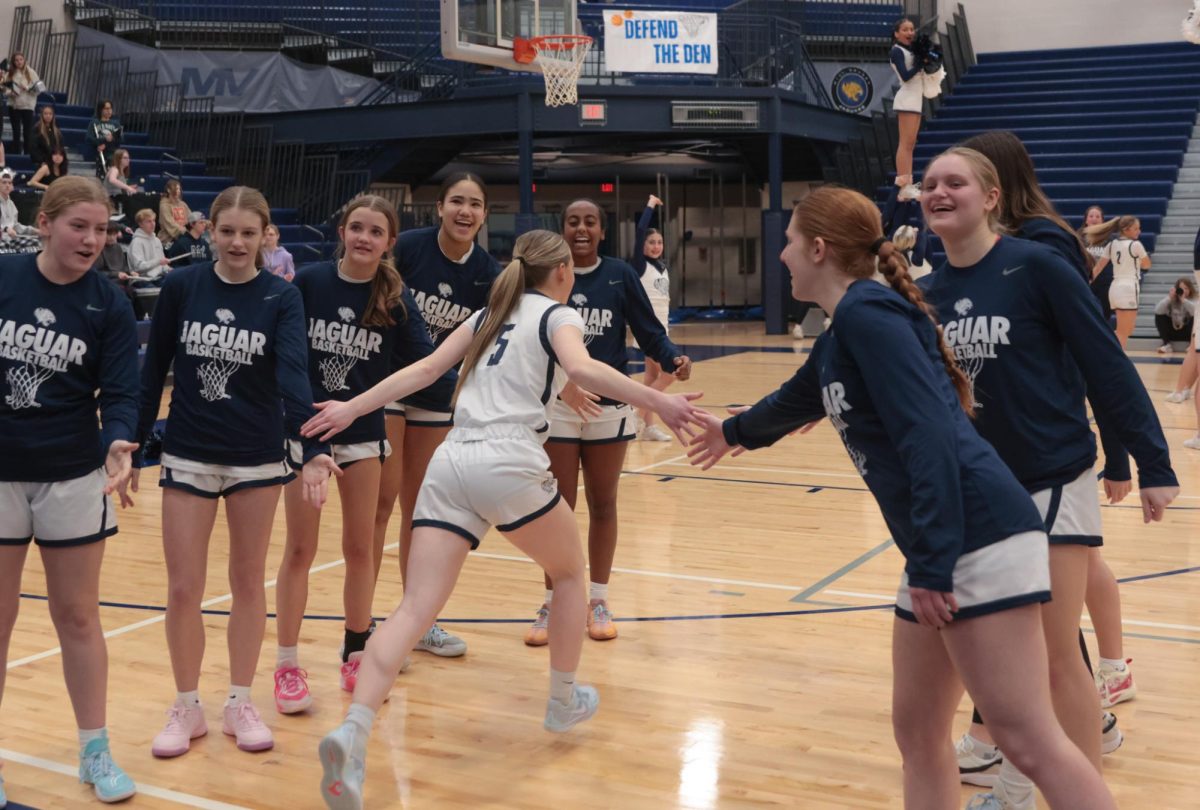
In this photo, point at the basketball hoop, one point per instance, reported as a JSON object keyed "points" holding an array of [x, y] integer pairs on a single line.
{"points": [[561, 58]]}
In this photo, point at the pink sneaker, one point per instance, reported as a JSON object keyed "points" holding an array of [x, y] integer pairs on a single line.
{"points": [[184, 724], [350, 671], [244, 722], [291, 690]]}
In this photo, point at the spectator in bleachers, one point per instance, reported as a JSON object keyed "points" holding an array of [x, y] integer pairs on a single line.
{"points": [[117, 180], [1175, 314], [1096, 247], [276, 259], [192, 243], [146, 256], [104, 134], [114, 265], [46, 137], [908, 101], [173, 213], [13, 235], [21, 88], [58, 166]]}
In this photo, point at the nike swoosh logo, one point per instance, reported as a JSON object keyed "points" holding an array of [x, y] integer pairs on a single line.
{"points": [[1008, 271], [91, 308], [269, 297], [618, 281]]}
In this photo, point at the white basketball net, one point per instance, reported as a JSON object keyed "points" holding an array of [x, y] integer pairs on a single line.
{"points": [[213, 378], [561, 63], [334, 369], [24, 383]]}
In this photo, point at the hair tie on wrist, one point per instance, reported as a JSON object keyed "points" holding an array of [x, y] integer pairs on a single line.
{"points": [[877, 244]]}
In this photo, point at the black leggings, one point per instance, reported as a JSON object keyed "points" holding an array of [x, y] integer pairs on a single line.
{"points": [[21, 120], [1167, 331], [1087, 659]]}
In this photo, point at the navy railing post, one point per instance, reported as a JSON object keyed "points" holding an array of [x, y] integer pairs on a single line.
{"points": [[526, 221], [775, 289]]}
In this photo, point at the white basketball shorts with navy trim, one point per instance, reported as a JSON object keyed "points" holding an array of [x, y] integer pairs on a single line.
{"points": [[56, 514]]}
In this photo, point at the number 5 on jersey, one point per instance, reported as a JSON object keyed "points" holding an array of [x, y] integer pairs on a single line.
{"points": [[501, 344]]}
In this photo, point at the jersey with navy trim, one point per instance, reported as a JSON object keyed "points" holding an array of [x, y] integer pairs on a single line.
{"points": [[609, 298], [345, 357], [653, 272], [517, 377], [241, 368], [65, 350], [1126, 256], [1020, 322], [447, 292], [942, 489]]}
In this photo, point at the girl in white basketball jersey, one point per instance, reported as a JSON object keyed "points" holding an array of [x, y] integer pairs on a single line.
{"points": [[68, 346], [490, 471], [1128, 258], [234, 336]]}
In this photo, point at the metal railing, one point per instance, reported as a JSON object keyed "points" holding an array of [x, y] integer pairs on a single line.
{"points": [[838, 29], [56, 64]]}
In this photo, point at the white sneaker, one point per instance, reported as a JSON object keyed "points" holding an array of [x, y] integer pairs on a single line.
{"points": [[561, 717], [1192, 443], [978, 762], [1178, 396], [911, 191], [439, 642], [798, 332], [1115, 685], [654, 433], [1112, 736], [1166, 348], [343, 754]]}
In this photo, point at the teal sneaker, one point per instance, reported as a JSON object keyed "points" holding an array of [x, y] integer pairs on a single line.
{"points": [[96, 768], [562, 716], [343, 761]]}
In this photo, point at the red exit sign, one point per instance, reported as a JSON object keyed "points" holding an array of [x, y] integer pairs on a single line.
{"points": [[606, 188], [593, 113]]}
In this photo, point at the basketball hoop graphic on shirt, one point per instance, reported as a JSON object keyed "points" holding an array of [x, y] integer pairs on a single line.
{"points": [[857, 457], [973, 364], [24, 382], [335, 367], [214, 376]]}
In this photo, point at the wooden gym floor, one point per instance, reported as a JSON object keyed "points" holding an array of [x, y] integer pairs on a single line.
{"points": [[752, 669]]}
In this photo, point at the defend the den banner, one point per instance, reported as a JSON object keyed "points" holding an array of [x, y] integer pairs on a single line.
{"points": [[660, 42]]}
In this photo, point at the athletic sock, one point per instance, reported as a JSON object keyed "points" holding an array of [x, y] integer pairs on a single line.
{"points": [[361, 717], [238, 695], [86, 735], [354, 641], [562, 686], [287, 655], [1115, 663], [549, 596], [190, 700], [598, 591]]}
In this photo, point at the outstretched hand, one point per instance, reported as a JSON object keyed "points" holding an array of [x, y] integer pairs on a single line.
{"points": [[678, 414], [709, 447], [332, 418]]}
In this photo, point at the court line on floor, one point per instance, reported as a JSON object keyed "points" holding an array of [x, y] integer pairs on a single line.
{"points": [[824, 582], [144, 789], [129, 628]]}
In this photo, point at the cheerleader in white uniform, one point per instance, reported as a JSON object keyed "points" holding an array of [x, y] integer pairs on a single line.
{"points": [[648, 262], [909, 97], [1128, 258]]}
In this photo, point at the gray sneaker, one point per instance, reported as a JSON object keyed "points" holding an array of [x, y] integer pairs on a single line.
{"points": [[561, 717], [439, 642], [978, 762], [343, 761]]}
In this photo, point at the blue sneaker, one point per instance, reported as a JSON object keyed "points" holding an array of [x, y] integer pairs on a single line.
{"points": [[96, 768], [343, 760], [561, 717]]}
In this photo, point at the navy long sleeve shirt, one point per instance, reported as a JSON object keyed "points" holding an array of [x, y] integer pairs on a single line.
{"points": [[1027, 331], [65, 350], [610, 298], [241, 368], [345, 358], [879, 377]]}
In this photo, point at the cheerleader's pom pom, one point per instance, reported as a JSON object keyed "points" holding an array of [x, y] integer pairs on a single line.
{"points": [[1191, 25]]}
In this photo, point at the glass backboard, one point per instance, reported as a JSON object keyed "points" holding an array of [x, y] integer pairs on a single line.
{"points": [[483, 31]]}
